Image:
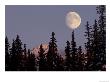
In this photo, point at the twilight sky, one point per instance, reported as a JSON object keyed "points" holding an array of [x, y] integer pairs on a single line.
{"points": [[34, 24]]}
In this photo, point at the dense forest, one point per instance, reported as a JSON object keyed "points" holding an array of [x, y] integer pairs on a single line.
{"points": [[19, 58]]}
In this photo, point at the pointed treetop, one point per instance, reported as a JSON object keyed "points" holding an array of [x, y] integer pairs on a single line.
{"points": [[53, 33]]}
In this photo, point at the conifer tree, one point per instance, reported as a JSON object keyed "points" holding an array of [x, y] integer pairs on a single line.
{"points": [[14, 59], [16, 54], [52, 53], [42, 59], [88, 46], [24, 60], [80, 58], [68, 58], [95, 46], [73, 53], [101, 11], [18, 47], [7, 54], [31, 61]]}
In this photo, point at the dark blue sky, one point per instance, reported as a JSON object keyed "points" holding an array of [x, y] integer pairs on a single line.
{"points": [[34, 24]]}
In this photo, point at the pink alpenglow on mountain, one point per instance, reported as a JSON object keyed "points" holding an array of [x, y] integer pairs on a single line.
{"points": [[36, 49]]}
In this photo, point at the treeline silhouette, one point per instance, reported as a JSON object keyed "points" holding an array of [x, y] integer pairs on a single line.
{"points": [[19, 58]]}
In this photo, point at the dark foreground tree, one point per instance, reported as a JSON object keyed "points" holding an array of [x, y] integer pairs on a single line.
{"points": [[14, 59], [16, 54], [42, 64], [80, 59], [31, 61], [68, 57], [101, 11], [95, 46], [74, 55], [18, 47], [88, 47], [7, 54], [24, 58], [52, 55]]}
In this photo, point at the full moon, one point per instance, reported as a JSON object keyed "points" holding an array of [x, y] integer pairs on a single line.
{"points": [[73, 20]]}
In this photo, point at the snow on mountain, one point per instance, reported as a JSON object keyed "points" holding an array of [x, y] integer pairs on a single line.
{"points": [[36, 49], [46, 47]]}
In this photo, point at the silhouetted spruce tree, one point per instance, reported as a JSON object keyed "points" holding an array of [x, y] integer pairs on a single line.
{"points": [[101, 11], [88, 46], [7, 54], [24, 60], [18, 47], [73, 53], [14, 59], [31, 61], [16, 54], [52, 53], [80, 59], [42, 59], [68, 58], [95, 46]]}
